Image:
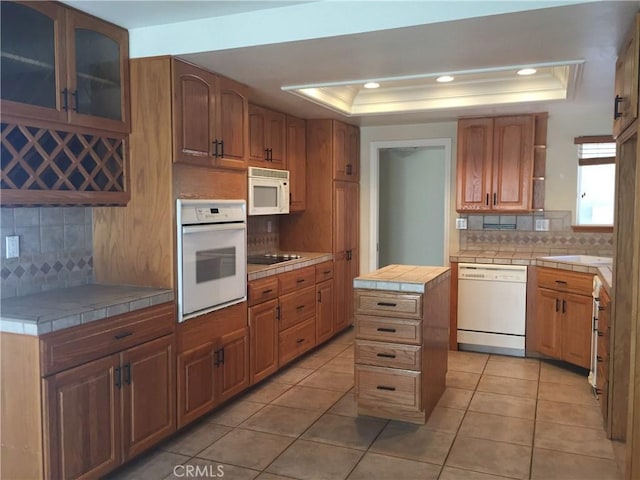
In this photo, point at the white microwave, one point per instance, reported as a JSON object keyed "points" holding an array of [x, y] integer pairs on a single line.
{"points": [[268, 191]]}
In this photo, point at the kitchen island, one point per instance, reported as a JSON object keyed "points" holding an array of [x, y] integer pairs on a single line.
{"points": [[402, 332]]}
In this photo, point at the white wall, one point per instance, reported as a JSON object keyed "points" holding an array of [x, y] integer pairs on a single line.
{"points": [[561, 170]]}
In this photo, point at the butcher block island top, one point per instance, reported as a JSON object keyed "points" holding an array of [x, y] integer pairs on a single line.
{"points": [[402, 331]]}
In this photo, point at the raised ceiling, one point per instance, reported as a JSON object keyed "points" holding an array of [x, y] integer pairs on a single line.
{"points": [[584, 35]]}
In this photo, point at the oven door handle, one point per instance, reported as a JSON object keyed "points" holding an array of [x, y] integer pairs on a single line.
{"points": [[187, 229]]}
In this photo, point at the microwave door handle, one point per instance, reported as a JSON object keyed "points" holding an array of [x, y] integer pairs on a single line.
{"points": [[284, 198], [186, 229]]}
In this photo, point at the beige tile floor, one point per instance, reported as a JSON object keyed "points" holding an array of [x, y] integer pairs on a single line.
{"points": [[500, 417]]}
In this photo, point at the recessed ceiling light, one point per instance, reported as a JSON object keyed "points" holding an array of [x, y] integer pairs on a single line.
{"points": [[371, 85], [444, 79], [527, 71]]}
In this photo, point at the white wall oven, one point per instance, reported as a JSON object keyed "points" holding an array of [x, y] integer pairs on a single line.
{"points": [[212, 260]]}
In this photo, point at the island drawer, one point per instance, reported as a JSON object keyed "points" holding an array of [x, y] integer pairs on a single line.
{"points": [[296, 307], [324, 271], [389, 385], [389, 304], [565, 280], [297, 340], [262, 290], [77, 345], [388, 330], [295, 279], [392, 355]]}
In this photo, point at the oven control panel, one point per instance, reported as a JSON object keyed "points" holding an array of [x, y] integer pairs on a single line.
{"points": [[193, 212]]}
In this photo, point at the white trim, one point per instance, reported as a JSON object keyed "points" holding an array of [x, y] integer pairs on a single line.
{"points": [[374, 155]]}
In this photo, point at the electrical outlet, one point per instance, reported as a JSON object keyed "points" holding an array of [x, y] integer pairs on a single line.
{"points": [[461, 223], [13, 246], [542, 224]]}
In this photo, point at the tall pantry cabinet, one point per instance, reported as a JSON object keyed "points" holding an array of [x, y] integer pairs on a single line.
{"points": [[330, 221]]}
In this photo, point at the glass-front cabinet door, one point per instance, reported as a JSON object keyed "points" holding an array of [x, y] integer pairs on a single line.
{"points": [[32, 60], [97, 63]]}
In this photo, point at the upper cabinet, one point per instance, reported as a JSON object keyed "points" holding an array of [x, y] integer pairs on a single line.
{"points": [[210, 116], [346, 152], [61, 65], [267, 133], [496, 164], [625, 108], [297, 163]]}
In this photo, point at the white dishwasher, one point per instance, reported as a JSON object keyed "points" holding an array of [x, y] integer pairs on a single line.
{"points": [[492, 304]]}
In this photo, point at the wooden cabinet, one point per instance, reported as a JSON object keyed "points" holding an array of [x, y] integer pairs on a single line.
{"points": [[62, 65], [263, 340], [325, 327], [564, 315], [331, 218], [210, 118], [346, 152], [625, 107], [401, 351], [102, 393], [267, 134], [297, 163], [212, 361], [65, 107], [495, 164]]}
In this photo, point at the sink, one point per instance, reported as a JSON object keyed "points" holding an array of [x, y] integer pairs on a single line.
{"points": [[586, 259]]}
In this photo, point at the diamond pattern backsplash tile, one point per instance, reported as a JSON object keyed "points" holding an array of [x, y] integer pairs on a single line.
{"points": [[55, 264]]}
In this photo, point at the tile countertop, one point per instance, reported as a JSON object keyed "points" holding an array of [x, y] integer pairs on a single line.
{"points": [[597, 265], [402, 278], [54, 310], [254, 272]]}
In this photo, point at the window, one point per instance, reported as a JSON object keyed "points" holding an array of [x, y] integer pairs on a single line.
{"points": [[596, 180]]}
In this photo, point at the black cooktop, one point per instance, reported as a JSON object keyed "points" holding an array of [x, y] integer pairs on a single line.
{"points": [[271, 258]]}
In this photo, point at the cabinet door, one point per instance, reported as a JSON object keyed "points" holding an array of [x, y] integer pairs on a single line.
{"points": [[345, 248], [195, 380], [232, 373], [626, 81], [82, 408], [275, 135], [577, 329], [512, 163], [549, 323], [297, 163], [148, 374], [473, 170], [98, 73], [32, 68], [258, 153], [263, 340], [324, 311], [232, 122], [194, 114], [346, 145]]}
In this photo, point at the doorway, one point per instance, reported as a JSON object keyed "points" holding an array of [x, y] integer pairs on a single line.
{"points": [[411, 203]]}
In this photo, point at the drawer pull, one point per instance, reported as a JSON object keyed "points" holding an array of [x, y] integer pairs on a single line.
{"points": [[598, 391], [384, 387], [389, 330], [299, 307], [122, 335], [300, 280], [387, 304], [599, 358], [300, 340], [561, 282], [601, 308], [265, 292], [601, 334], [386, 355], [326, 272]]}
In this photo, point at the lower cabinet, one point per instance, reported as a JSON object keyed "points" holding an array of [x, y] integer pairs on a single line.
{"points": [[564, 315], [109, 410], [602, 374], [325, 327], [263, 340], [212, 361]]}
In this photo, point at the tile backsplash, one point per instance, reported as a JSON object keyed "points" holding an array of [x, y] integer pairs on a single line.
{"points": [[516, 233], [263, 234], [55, 249]]}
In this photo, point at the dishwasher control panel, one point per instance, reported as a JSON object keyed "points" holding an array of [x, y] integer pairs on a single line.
{"points": [[487, 272]]}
